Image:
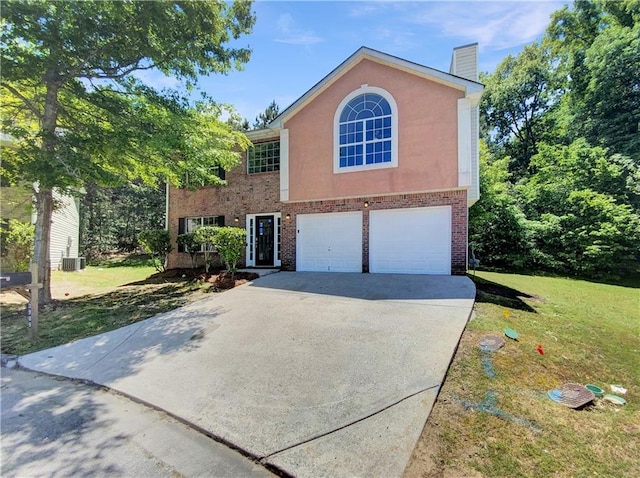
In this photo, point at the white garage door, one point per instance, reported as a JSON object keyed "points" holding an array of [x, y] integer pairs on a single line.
{"points": [[410, 241], [329, 242]]}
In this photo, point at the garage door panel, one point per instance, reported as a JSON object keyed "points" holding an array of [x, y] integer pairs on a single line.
{"points": [[410, 241], [330, 242]]}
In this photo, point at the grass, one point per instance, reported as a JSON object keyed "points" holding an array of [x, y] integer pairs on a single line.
{"points": [[589, 333], [93, 301]]}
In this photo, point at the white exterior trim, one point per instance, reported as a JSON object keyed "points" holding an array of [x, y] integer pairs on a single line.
{"points": [[336, 132], [464, 142], [365, 196], [474, 190], [284, 165], [250, 255], [260, 134]]}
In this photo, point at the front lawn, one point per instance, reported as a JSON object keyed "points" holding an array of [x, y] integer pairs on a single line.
{"points": [[506, 426], [96, 300]]}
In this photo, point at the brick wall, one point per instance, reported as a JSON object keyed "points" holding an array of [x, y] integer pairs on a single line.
{"points": [[243, 194], [456, 199], [260, 193]]}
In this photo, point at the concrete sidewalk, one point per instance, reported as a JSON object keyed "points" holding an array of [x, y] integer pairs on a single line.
{"points": [[57, 427], [315, 374]]}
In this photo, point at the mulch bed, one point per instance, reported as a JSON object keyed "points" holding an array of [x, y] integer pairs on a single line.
{"points": [[219, 279]]}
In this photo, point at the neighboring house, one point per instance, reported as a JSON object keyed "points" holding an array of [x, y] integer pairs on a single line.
{"points": [[372, 170], [65, 220], [65, 231]]}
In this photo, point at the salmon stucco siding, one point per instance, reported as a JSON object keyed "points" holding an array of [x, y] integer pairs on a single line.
{"points": [[427, 138]]}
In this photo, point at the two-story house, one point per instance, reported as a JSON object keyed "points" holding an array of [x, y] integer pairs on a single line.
{"points": [[371, 170]]}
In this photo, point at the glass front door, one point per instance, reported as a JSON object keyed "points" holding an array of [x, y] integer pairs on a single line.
{"points": [[264, 240]]}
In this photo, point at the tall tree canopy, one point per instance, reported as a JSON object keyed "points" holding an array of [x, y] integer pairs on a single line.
{"points": [[268, 115], [597, 45], [560, 177], [76, 111]]}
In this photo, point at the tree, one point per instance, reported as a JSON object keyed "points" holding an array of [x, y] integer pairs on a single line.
{"points": [[230, 242], [497, 225], [191, 244], [157, 242], [269, 114], [237, 122], [597, 45], [579, 209], [112, 218], [205, 237], [17, 246], [79, 115], [518, 97]]}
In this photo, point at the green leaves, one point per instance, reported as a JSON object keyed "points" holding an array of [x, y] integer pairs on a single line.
{"points": [[157, 243], [77, 114], [230, 242]]}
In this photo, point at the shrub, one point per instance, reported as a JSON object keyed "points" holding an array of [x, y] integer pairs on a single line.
{"points": [[17, 246], [157, 243], [230, 242], [204, 236]]}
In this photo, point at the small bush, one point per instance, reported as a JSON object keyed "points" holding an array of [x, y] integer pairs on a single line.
{"points": [[230, 242], [157, 243]]}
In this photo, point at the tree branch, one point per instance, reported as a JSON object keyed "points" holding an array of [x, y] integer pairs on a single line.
{"points": [[22, 98]]}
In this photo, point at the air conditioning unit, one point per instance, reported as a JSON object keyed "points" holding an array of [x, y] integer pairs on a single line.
{"points": [[73, 263]]}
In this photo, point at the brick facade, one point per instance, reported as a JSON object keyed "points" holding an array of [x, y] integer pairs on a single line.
{"points": [[456, 199], [243, 194]]}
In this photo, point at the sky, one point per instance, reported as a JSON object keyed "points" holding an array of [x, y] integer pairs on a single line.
{"points": [[295, 44]]}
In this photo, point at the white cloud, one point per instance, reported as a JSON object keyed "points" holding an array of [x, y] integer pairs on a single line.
{"points": [[291, 34], [494, 25]]}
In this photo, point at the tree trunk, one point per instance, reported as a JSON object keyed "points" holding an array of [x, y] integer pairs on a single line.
{"points": [[44, 193], [42, 243]]}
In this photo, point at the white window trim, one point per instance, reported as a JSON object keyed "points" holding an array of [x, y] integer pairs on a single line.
{"points": [[394, 131], [251, 242]]}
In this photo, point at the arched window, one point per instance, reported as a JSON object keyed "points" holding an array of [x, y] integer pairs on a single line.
{"points": [[366, 131]]}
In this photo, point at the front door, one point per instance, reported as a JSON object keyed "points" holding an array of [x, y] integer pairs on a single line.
{"points": [[264, 240]]}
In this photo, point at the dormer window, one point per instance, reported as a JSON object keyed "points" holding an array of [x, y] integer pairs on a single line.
{"points": [[366, 134]]}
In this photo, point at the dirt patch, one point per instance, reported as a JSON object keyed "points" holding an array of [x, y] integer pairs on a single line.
{"points": [[224, 280]]}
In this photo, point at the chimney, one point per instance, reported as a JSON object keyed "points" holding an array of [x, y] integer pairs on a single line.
{"points": [[464, 62]]}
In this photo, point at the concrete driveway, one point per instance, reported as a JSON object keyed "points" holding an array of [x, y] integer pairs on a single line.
{"points": [[314, 374]]}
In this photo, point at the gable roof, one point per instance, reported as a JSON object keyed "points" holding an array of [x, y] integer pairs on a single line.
{"points": [[468, 86]]}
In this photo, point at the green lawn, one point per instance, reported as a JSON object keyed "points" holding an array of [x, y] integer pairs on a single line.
{"points": [[506, 426], [96, 300]]}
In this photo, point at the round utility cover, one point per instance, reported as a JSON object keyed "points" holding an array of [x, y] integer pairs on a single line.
{"points": [[512, 334], [491, 343], [614, 399], [597, 391], [572, 395]]}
